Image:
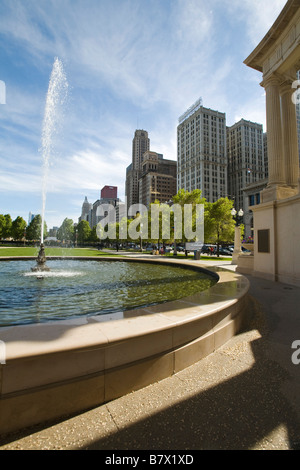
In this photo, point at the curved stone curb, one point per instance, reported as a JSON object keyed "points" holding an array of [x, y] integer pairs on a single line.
{"points": [[59, 368]]}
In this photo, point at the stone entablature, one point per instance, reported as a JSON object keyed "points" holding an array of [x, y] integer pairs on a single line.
{"points": [[278, 57], [279, 50]]}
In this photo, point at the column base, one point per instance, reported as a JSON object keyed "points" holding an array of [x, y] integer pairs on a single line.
{"points": [[277, 192]]}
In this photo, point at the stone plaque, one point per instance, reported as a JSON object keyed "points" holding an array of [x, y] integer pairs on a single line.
{"points": [[263, 238]]}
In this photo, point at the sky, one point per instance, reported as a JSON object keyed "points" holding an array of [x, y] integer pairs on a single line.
{"points": [[129, 64]]}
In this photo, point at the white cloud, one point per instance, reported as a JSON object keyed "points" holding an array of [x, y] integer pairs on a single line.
{"points": [[129, 64], [258, 16]]}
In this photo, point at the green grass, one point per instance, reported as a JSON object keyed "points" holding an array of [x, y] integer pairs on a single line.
{"points": [[51, 251], [57, 251]]}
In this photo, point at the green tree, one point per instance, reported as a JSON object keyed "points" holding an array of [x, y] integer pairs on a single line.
{"points": [[83, 231], [93, 235], [5, 226], [187, 198], [2, 225], [218, 222], [18, 228], [33, 231], [66, 230]]}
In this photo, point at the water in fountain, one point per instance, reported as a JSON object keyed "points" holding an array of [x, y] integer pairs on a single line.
{"points": [[57, 93], [56, 96]]}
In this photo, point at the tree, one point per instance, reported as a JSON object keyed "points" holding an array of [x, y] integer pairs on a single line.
{"points": [[2, 225], [33, 231], [191, 199], [18, 228], [66, 230], [218, 222], [83, 231], [93, 235], [5, 226]]}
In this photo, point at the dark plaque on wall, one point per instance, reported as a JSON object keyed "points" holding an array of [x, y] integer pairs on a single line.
{"points": [[263, 238]]}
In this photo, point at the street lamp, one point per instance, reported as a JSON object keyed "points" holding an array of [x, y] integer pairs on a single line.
{"points": [[237, 215], [141, 234], [237, 234]]}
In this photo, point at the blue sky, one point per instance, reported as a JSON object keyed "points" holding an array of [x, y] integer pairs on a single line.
{"points": [[130, 64]]}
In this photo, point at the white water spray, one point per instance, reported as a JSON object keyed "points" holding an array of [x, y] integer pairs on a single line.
{"points": [[56, 96]]}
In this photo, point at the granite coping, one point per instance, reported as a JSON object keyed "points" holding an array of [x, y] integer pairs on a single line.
{"points": [[90, 331]]}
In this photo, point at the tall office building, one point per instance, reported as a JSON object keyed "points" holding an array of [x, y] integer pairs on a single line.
{"points": [[108, 199], [158, 179], [247, 167], [245, 152], [85, 210], [140, 144], [201, 152]]}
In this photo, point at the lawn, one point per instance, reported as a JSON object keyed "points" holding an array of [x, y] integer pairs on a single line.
{"points": [[51, 251], [57, 251]]}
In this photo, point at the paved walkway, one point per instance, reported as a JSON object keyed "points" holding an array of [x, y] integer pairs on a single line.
{"points": [[246, 395]]}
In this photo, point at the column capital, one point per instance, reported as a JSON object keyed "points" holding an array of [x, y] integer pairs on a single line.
{"points": [[273, 79], [286, 87]]}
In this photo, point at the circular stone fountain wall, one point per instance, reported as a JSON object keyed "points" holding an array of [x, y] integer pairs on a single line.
{"points": [[62, 367]]}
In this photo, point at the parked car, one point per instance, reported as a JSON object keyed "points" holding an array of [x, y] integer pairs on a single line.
{"points": [[208, 249], [225, 251], [180, 248]]}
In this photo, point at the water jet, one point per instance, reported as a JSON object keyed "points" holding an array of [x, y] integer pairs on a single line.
{"points": [[56, 95]]}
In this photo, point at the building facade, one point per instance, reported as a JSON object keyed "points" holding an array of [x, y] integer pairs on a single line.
{"points": [[140, 144], [201, 152], [158, 179], [85, 210], [108, 206], [246, 161]]}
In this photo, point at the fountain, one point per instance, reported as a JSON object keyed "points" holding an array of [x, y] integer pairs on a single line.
{"points": [[56, 95], [41, 261], [66, 351]]}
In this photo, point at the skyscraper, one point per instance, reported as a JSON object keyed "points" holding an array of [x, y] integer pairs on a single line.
{"points": [[158, 179], [140, 144], [245, 152], [201, 152], [85, 211]]}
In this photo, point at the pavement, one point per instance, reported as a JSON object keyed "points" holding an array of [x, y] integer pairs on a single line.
{"points": [[244, 396]]}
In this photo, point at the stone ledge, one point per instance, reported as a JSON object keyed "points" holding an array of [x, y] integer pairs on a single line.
{"points": [[66, 367]]}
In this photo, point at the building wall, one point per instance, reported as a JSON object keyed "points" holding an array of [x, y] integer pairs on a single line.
{"points": [[282, 261], [201, 153], [246, 164], [140, 144], [109, 192], [158, 179]]}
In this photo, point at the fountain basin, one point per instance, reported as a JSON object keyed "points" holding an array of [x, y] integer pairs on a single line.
{"points": [[76, 287], [59, 368]]}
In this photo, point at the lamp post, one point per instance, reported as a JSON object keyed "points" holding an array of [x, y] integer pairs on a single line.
{"points": [[237, 234], [141, 235]]}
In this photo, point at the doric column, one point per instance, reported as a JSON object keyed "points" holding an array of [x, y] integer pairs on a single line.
{"points": [[289, 134], [274, 133]]}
